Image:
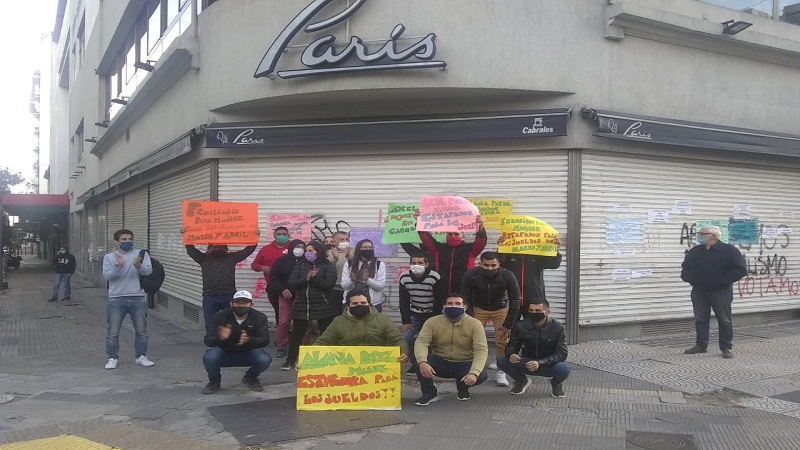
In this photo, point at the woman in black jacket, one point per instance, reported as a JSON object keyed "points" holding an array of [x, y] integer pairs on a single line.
{"points": [[312, 279], [278, 287]]}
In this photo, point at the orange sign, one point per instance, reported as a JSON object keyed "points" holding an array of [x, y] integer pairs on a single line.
{"points": [[220, 223]]}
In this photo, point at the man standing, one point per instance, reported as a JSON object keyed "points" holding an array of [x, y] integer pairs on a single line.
{"points": [[421, 298], [219, 275], [543, 344], [712, 268], [121, 269], [529, 271], [451, 345], [236, 338], [494, 295], [339, 254], [266, 258], [65, 267]]}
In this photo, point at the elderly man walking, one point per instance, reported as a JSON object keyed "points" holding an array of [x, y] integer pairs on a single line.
{"points": [[712, 268]]}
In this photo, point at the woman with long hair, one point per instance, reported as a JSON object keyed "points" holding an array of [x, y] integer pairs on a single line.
{"points": [[364, 269]]}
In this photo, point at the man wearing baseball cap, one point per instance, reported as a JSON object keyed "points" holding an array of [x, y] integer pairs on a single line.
{"points": [[236, 338]]}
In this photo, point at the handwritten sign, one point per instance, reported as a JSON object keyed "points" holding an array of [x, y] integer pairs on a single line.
{"points": [[657, 216], [299, 225], [353, 378], [722, 224], [743, 231], [219, 223], [446, 213], [492, 211], [528, 236], [400, 227], [373, 234]]}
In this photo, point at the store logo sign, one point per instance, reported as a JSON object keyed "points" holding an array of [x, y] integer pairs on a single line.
{"points": [[537, 127], [321, 57], [634, 130]]}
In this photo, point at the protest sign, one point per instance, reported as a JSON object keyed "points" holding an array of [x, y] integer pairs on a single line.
{"points": [[354, 378], [373, 234], [446, 213], [492, 211], [219, 223], [299, 225], [400, 225], [528, 236]]}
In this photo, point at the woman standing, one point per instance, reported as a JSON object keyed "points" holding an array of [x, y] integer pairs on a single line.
{"points": [[278, 287], [365, 269], [312, 279]]}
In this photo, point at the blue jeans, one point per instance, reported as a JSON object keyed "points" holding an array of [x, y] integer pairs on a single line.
{"points": [[65, 277], [448, 369], [411, 335], [720, 301], [215, 358], [213, 304], [117, 307], [559, 372]]}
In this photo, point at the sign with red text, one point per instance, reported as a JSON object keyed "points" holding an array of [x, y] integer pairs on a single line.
{"points": [[527, 236], [299, 225], [219, 223], [446, 213], [345, 377]]}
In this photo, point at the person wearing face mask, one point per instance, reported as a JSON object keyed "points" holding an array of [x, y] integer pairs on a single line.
{"points": [[218, 268], [278, 285], [267, 256], [529, 270], [451, 345], [421, 297], [361, 324], [538, 347], [65, 267], [365, 270], [712, 268], [494, 295], [455, 257], [236, 338], [312, 279]]}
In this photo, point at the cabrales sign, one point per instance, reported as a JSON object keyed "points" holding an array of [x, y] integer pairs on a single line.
{"points": [[324, 56]]}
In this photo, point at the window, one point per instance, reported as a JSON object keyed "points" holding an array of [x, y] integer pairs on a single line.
{"points": [[77, 142]]}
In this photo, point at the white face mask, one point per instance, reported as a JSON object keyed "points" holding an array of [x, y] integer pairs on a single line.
{"points": [[417, 269], [298, 252], [343, 245]]}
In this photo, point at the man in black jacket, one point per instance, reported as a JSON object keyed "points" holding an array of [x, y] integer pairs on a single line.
{"points": [[493, 293], [65, 267], [538, 347], [529, 270], [235, 339], [712, 268]]}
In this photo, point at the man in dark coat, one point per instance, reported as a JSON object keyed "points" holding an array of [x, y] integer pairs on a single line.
{"points": [[65, 267], [529, 270]]}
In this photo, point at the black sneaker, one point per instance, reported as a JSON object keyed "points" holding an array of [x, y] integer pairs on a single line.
{"points": [[558, 391], [281, 353], [426, 400], [463, 396], [53, 300], [254, 384], [211, 387], [412, 370], [66, 299], [520, 387], [287, 366]]}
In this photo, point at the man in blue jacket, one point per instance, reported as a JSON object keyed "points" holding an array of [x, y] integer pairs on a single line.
{"points": [[712, 268]]}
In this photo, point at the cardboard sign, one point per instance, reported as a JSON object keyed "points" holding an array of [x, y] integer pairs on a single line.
{"points": [[219, 223], [400, 225], [373, 234], [447, 213], [528, 236], [492, 211], [299, 225], [353, 378]]}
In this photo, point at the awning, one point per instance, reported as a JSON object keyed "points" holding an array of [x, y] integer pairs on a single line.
{"points": [[35, 205], [500, 125], [691, 134]]}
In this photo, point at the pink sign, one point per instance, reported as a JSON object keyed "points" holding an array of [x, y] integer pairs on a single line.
{"points": [[299, 225], [446, 213]]}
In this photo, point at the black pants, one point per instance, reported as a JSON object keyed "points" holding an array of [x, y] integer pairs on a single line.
{"points": [[296, 336]]}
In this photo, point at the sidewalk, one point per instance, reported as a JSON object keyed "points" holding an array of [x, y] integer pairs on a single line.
{"points": [[52, 383]]}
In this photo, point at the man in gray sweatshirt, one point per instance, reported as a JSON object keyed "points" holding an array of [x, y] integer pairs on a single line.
{"points": [[121, 269]]}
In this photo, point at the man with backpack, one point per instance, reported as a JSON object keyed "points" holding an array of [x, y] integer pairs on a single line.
{"points": [[122, 269]]}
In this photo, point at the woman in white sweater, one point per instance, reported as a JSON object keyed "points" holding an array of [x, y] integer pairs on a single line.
{"points": [[364, 269]]}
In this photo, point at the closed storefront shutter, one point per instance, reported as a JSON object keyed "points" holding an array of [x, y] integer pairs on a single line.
{"points": [[345, 191], [114, 220], [183, 278], [639, 217], [136, 216]]}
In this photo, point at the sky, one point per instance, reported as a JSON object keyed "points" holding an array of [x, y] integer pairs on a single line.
{"points": [[24, 51]]}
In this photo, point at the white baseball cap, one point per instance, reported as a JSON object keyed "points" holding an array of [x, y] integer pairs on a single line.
{"points": [[243, 295]]}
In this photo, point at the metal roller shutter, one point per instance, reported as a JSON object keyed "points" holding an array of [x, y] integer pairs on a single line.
{"points": [[354, 191], [136, 216], [713, 190], [183, 280], [114, 220]]}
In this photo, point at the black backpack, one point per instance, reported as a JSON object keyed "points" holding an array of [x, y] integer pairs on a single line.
{"points": [[152, 283]]}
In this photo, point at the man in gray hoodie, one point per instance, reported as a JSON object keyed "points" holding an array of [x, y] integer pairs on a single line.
{"points": [[121, 269]]}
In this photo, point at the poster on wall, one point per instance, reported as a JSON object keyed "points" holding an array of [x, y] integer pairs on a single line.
{"points": [[492, 210], [624, 230], [299, 225], [374, 235], [229, 223], [743, 231], [447, 213], [528, 236]]}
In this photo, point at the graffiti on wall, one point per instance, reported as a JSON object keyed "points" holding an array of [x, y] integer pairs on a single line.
{"points": [[322, 227]]}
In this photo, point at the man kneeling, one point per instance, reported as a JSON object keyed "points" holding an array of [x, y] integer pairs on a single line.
{"points": [[235, 339], [543, 342]]}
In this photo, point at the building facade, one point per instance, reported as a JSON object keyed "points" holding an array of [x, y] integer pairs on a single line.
{"points": [[625, 124]]}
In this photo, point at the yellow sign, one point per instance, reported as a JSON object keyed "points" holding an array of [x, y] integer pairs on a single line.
{"points": [[528, 236], [341, 377], [492, 211]]}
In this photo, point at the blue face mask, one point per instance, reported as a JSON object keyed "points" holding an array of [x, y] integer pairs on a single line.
{"points": [[453, 312], [126, 246]]}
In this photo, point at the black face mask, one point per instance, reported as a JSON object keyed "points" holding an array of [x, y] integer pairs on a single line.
{"points": [[537, 316], [330, 246], [489, 273], [367, 254], [359, 311], [241, 311]]}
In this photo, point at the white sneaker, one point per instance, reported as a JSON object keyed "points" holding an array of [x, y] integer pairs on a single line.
{"points": [[143, 361], [501, 380], [493, 365], [111, 363]]}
